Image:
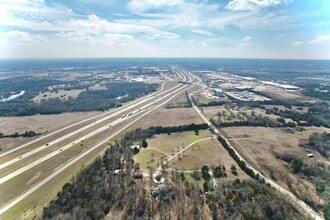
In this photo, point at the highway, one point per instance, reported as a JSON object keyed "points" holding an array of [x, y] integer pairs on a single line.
{"points": [[146, 104], [310, 211], [137, 109]]}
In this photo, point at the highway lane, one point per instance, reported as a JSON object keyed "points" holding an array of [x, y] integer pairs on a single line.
{"points": [[91, 134], [300, 203], [116, 113], [5, 153], [107, 115], [80, 156]]}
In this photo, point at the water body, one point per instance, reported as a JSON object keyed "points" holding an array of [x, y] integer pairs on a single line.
{"points": [[121, 97], [13, 97]]}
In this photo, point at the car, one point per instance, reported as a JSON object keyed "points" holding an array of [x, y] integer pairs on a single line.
{"points": [[61, 149], [109, 125], [47, 145], [20, 157]]}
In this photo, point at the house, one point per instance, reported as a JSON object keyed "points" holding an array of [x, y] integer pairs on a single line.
{"points": [[310, 156]]}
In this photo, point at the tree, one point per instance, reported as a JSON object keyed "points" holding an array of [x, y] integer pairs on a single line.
{"points": [[233, 170], [205, 173], [217, 172], [144, 143], [196, 132], [205, 187], [297, 165], [136, 150]]}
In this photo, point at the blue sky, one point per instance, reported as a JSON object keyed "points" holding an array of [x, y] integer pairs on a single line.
{"points": [[294, 29]]}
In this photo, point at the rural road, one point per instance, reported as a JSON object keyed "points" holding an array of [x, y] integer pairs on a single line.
{"points": [[299, 202]]}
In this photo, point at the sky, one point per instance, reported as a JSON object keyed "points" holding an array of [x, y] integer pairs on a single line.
{"points": [[280, 29]]}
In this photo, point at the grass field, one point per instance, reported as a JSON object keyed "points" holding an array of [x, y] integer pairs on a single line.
{"points": [[61, 94], [201, 99], [260, 145], [225, 114], [38, 123], [166, 145], [169, 117], [179, 102], [208, 152]]}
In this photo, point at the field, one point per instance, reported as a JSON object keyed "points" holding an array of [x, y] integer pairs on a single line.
{"points": [[61, 94], [283, 94], [239, 114], [208, 152], [37, 123], [205, 152], [202, 100], [169, 117], [179, 102], [260, 145], [166, 145]]}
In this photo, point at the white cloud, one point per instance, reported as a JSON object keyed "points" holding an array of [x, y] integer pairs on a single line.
{"points": [[320, 39], [297, 43], [252, 5], [203, 32], [246, 41], [23, 37], [141, 6]]}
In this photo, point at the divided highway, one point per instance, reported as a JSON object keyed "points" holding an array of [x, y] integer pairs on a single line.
{"points": [[124, 116]]}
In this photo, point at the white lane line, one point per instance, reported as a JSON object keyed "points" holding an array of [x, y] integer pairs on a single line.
{"points": [[54, 153], [71, 162], [8, 163], [80, 122]]}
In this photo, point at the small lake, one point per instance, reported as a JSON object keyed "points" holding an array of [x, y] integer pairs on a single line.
{"points": [[121, 97], [12, 97]]}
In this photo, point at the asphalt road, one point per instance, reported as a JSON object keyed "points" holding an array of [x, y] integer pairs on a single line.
{"points": [[299, 202], [154, 101]]}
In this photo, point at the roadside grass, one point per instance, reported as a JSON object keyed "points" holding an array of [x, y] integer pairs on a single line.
{"points": [[48, 192]]}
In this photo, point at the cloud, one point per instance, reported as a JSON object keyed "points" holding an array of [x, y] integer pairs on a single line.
{"points": [[252, 5], [23, 37], [320, 39], [203, 32], [246, 41], [297, 43], [140, 6]]}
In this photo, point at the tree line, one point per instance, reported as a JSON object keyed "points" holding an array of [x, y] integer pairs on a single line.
{"points": [[26, 134], [255, 121], [98, 191], [98, 100]]}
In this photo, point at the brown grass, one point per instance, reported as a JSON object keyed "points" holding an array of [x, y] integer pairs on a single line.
{"points": [[258, 146], [37, 123], [169, 117], [208, 152]]}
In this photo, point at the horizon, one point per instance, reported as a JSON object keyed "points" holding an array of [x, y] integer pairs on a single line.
{"points": [[225, 29], [224, 58]]}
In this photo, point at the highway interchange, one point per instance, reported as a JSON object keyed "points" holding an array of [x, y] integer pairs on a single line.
{"points": [[87, 136]]}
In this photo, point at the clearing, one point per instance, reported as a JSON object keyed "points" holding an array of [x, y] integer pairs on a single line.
{"points": [[260, 146], [61, 94], [169, 117], [39, 124]]}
